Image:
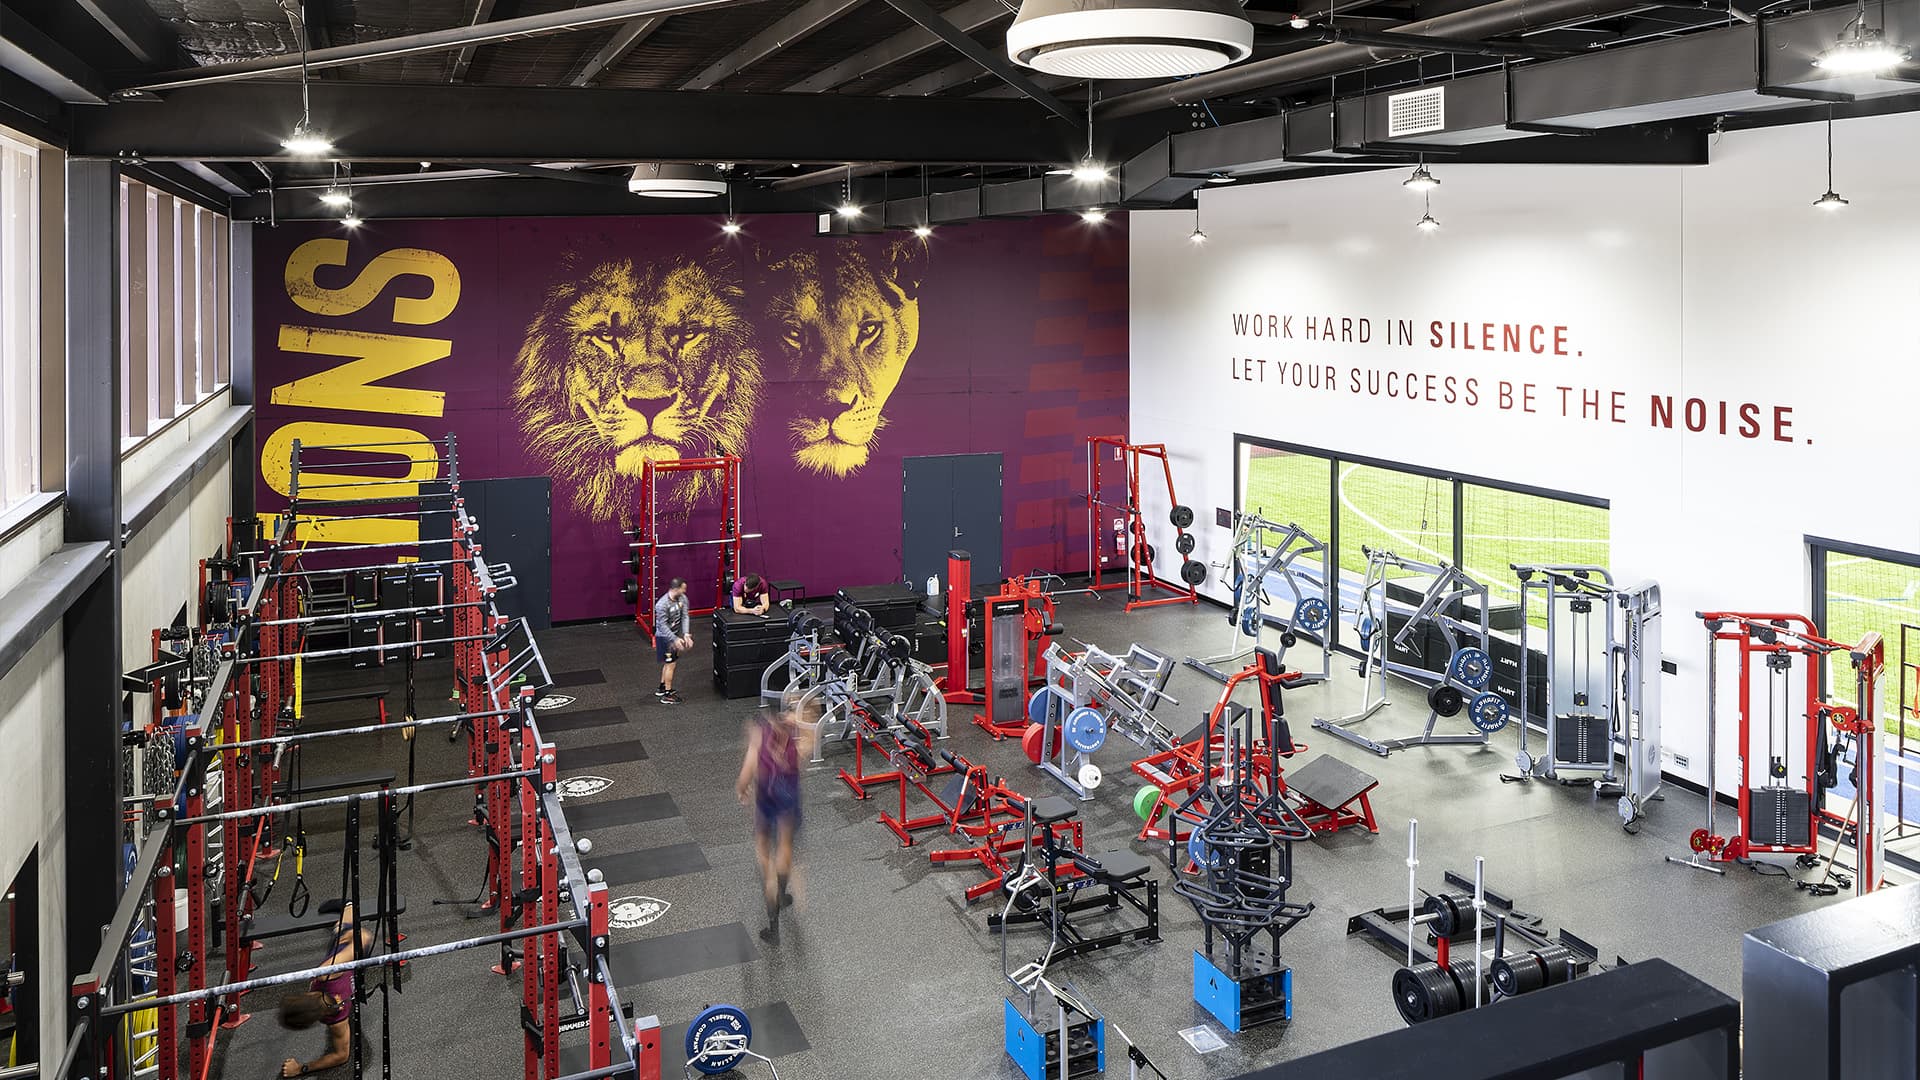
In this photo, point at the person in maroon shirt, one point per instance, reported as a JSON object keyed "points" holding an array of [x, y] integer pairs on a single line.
{"points": [[750, 595], [327, 1001]]}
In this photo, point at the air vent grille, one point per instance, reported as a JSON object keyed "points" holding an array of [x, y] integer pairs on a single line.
{"points": [[1417, 112]]}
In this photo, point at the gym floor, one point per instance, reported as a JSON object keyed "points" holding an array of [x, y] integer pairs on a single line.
{"points": [[884, 971]]}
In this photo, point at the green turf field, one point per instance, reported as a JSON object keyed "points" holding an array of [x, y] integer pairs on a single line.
{"points": [[1412, 516], [1869, 594]]}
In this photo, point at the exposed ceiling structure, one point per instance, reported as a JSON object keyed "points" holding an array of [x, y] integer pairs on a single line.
{"points": [[451, 107]]}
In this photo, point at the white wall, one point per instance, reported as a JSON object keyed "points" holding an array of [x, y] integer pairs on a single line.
{"points": [[32, 803], [1720, 282], [163, 558]]}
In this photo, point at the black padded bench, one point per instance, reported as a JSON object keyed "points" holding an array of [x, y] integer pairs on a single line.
{"points": [[1330, 794], [1114, 865]]}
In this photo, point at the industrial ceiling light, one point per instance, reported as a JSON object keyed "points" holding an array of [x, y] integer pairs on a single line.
{"points": [[1831, 200], [1128, 39], [1198, 236], [306, 140], [1427, 222], [1421, 181], [1219, 178], [335, 197], [670, 180], [1862, 49], [731, 226], [351, 220], [848, 208], [923, 231], [1093, 215], [1089, 169]]}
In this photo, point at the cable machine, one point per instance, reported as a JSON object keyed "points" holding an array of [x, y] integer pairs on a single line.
{"points": [[1790, 751], [1262, 548], [1603, 694], [1450, 596], [1123, 538]]}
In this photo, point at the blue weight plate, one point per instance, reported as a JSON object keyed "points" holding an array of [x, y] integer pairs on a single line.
{"points": [[1086, 729], [1488, 712], [1312, 615], [1472, 667], [1037, 706], [717, 1020]]}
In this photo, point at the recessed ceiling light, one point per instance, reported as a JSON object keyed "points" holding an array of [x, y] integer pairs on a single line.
{"points": [[1129, 39], [669, 180]]}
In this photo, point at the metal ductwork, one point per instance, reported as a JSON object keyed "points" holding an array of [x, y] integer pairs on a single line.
{"points": [[1489, 20]]}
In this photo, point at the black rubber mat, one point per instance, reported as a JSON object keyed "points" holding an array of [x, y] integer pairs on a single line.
{"points": [[584, 677], [659, 862], [600, 815], [585, 718], [589, 757], [668, 955]]}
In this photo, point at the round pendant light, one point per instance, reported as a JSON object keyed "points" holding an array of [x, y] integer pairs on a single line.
{"points": [[1128, 39], [668, 180]]}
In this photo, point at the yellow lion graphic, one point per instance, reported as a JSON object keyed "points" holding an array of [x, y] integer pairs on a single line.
{"points": [[846, 322], [635, 362]]}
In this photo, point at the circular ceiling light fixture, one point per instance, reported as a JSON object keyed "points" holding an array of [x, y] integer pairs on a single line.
{"points": [[1862, 50], [1421, 181], [1128, 39], [669, 180]]}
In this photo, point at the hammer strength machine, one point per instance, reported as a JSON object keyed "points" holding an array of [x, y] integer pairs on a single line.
{"points": [[1304, 564]]}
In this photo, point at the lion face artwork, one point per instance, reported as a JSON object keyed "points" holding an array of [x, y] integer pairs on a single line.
{"points": [[845, 321], [633, 362]]}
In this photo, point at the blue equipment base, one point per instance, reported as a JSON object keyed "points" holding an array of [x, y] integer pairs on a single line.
{"points": [[1036, 1051], [1262, 994]]}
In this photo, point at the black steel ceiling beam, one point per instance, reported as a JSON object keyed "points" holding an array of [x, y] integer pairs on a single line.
{"points": [[30, 110], [796, 26], [133, 24], [574, 176], [362, 52], [624, 41], [462, 60], [967, 17], [1002, 68], [486, 124], [41, 61]]}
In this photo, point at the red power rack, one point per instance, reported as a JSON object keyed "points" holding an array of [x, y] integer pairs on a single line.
{"points": [[1119, 531]]}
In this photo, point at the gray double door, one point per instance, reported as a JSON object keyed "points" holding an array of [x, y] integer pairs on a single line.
{"points": [[948, 502]]}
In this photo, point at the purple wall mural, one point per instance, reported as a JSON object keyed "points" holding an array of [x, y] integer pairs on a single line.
{"points": [[577, 348]]}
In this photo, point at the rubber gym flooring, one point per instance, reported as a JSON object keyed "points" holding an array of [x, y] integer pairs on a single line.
{"points": [[883, 971]]}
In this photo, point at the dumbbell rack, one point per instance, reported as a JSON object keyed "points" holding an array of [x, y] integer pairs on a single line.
{"points": [[1129, 539]]}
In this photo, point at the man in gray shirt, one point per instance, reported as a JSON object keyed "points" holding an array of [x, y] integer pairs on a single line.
{"points": [[671, 635]]}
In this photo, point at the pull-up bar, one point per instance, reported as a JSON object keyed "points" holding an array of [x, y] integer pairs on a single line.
{"points": [[279, 809], [364, 729]]}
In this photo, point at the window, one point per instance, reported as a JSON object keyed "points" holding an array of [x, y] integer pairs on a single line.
{"points": [[1355, 504], [173, 287], [19, 322]]}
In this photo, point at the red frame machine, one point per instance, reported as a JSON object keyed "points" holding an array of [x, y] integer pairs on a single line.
{"points": [[1014, 623], [644, 543], [1774, 640], [1174, 774], [1127, 534]]}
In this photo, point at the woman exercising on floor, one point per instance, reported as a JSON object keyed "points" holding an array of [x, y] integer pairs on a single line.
{"points": [[328, 1001]]}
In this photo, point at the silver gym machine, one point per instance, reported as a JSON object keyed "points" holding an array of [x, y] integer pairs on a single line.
{"points": [[1603, 693], [1262, 547], [1451, 596]]}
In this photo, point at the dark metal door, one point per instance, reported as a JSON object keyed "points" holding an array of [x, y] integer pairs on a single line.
{"points": [[516, 527], [950, 501]]}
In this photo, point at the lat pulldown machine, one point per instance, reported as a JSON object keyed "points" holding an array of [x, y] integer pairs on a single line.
{"points": [[1450, 596], [1782, 805], [1603, 693], [1262, 548]]}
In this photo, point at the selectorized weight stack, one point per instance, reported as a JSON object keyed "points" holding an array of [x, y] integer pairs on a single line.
{"points": [[1014, 623], [1602, 693]]}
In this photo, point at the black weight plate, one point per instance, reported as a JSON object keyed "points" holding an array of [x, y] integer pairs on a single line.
{"points": [[1193, 573], [630, 591], [1181, 516], [1143, 554], [898, 648], [1445, 700], [1184, 544], [1425, 992], [1450, 912]]}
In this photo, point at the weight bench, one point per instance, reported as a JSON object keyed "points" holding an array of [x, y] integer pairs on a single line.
{"points": [[1081, 883], [1330, 794]]}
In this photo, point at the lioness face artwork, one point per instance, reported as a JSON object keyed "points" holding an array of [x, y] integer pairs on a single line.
{"points": [[633, 362], [845, 321]]}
